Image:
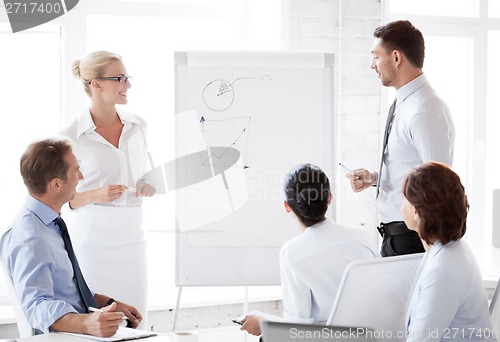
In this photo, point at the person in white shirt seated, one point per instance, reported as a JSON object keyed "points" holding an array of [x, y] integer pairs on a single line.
{"points": [[448, 301], [312, 263]]}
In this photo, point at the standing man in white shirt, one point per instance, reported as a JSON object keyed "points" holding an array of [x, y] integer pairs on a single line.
{"points": [[420, 129]]}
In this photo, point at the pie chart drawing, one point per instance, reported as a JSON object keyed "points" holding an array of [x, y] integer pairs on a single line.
{"points": [[218, 95]]}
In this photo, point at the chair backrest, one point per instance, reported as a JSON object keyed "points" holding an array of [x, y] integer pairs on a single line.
{"points": [[495, 310], [24, 327], [374, 294]]}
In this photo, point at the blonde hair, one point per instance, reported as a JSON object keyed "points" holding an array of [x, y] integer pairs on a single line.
{"points": [[92, 66]]}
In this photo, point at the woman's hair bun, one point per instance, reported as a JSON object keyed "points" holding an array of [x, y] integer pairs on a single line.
{"points": [[75, 68]]}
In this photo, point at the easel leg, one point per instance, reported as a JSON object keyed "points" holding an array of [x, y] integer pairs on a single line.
{"points": [[176, 310], [245, 310]]}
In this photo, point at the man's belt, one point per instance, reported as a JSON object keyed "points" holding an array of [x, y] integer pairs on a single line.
{"points": [[392, 228]]}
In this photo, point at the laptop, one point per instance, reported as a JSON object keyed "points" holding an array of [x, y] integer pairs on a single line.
{"points": [[293, 332]]}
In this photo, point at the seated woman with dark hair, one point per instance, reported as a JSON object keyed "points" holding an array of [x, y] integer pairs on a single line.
{"points": [[312, 263], [449, 300]]}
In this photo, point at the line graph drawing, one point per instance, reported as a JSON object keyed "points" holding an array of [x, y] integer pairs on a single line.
{"points": [[218, 95], [214, 133], [213, 154]]}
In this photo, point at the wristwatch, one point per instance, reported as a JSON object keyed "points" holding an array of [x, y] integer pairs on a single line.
{"points": [[110, 301]]}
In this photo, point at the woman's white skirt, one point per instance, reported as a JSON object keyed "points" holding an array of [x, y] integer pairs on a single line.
{"points": [[111, 250]]}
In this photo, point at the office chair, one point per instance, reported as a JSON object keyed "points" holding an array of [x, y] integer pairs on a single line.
{"points": [[373, 294], [23, 326], [495, 311]]}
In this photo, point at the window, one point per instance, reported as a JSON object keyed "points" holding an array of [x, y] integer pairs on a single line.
{"points": [[494, 8], [30, 66], [493, 119], [456, 94], [493, 140], [452, 8]]}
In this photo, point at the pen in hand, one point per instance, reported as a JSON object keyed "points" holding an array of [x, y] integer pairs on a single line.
{"points": [[91, 308], [346, 168], [237, 321], [349, 170]]}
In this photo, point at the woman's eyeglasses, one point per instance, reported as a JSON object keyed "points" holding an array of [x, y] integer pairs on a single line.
{"points": [[122, 78]]}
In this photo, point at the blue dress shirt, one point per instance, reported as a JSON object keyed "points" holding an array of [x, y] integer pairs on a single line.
{"points": [[448, 301], [33, 252]]}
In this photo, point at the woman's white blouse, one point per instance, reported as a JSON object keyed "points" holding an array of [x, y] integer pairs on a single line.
{"points": [[103, 164]]}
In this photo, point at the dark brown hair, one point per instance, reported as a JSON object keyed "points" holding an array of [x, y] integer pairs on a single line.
{"points": [[403, 36], [440, 201], [43, 161]]}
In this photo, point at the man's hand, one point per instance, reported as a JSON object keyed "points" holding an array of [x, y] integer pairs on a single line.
{"points": [[104, 324], [362, 179], [132, 314], [251, 324]]}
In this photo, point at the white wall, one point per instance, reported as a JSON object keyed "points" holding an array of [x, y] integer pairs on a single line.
{"points": [[345, 27]]}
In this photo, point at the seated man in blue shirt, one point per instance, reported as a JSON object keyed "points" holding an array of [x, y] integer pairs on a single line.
{"points": [[45, 272]]}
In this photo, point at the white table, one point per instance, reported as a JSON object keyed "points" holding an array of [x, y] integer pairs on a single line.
{"points": [[54, 337], [233, 334]]}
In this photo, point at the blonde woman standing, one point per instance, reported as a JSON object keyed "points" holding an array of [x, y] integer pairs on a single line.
{"points": [[110, 146]]}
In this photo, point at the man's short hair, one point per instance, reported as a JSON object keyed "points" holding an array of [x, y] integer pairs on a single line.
{"points": [[403, 36], [43, 161]]}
